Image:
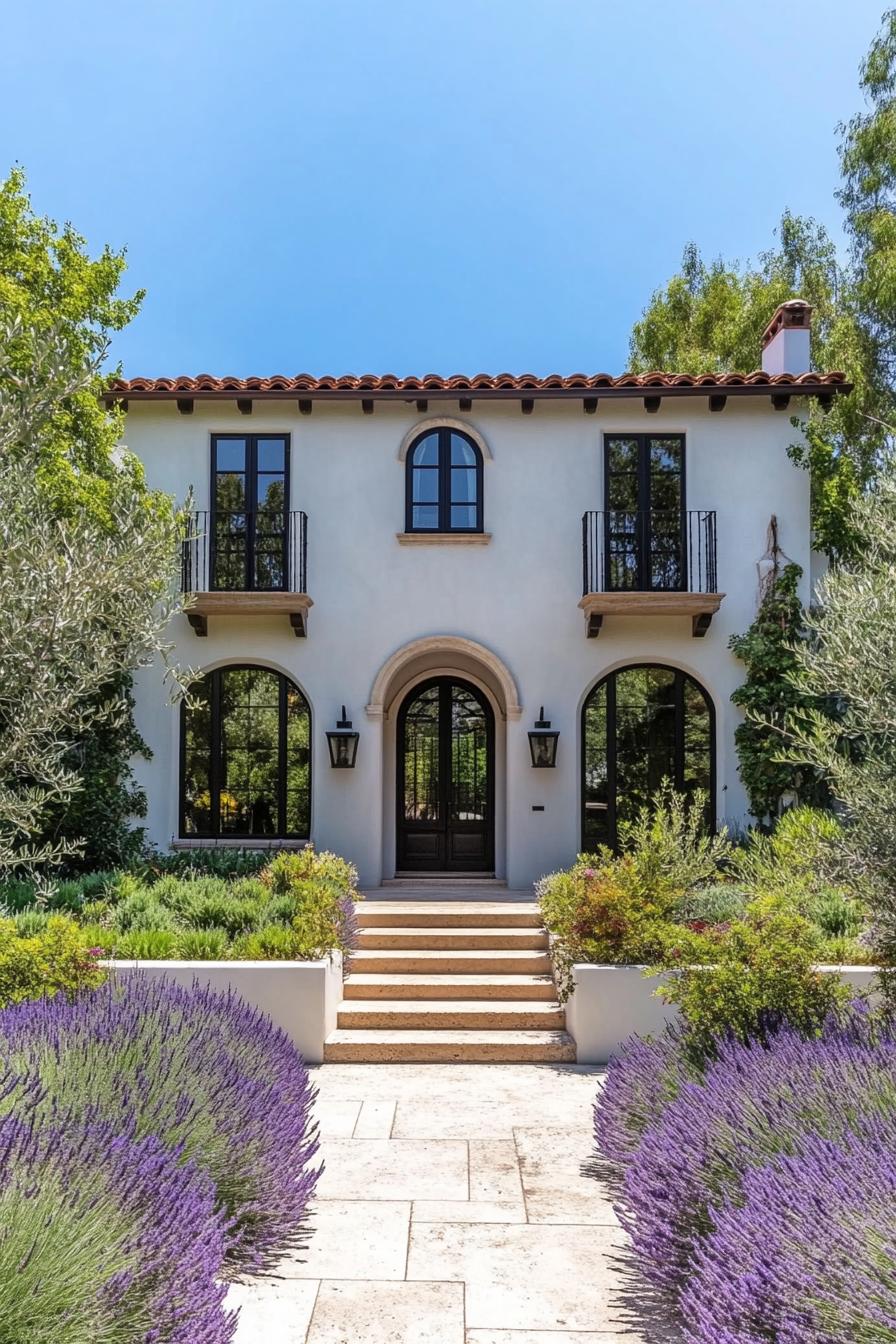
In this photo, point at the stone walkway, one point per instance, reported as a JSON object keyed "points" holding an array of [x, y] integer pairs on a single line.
{"points": [[459, 1205]]}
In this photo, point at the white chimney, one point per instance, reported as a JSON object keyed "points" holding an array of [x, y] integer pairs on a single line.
{"points": [[785, 341]]}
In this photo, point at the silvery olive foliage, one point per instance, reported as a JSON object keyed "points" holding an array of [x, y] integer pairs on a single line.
{"points": [[848, 666], [84, 596]]}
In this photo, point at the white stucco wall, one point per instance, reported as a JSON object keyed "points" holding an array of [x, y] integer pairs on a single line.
{"points": [[517, 596]]}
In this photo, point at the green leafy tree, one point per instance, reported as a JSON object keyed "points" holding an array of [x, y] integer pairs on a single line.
{"points": [[868, 195], [52, 289], [711, 316]]}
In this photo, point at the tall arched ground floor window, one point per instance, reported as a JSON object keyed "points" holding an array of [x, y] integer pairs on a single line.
{"points": [[245, 757], [641, 725]]}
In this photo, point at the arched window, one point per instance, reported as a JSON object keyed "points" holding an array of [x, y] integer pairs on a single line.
{"points": [[641, 725], [245, 757], [444, 483]]}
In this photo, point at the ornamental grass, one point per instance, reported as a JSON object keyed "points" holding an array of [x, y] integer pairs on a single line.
{"points": [[209, 1077]]}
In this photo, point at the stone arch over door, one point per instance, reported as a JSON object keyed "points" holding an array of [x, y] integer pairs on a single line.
{"points": [[423, 660]]}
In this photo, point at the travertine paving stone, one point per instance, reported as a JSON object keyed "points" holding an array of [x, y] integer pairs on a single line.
{"points": [[554, 1337], [352, 1239], [336, 1118], [387, 1313], [494, 1171], [520, 1276], [559, 1184], [393, 1169], [459, 1205], [271, 1310], [375, 1120]]}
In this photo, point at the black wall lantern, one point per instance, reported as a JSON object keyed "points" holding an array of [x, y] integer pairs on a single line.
{"points": [[543, 744], [343, 744]]}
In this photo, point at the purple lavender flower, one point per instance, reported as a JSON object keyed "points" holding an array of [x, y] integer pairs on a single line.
{"points": [[810, 1255], [209, 1076], [107, 1237], [754, 1104]]}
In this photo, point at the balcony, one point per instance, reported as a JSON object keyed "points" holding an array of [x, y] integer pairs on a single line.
{"points": [[649, 563], [246, 564]]}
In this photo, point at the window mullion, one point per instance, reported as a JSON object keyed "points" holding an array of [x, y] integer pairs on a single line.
{"points": [[214, 774], [444, 480]]}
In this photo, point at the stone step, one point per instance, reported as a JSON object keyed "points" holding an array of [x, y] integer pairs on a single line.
{"points": [[446, 962], [459, 1047], [432, 881], [448, 914], [436, 987], [451, 1015], [463, 940]]}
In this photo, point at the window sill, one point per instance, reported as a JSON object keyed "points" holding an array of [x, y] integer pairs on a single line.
{"points": [[443, 538], [247, 843]]}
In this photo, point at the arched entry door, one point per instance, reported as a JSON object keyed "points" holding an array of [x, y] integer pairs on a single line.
{"points": [[641, 725], [446, 771]]}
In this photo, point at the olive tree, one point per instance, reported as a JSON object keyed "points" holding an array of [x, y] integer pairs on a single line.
{"points": [[848, 667], [84, 596]]}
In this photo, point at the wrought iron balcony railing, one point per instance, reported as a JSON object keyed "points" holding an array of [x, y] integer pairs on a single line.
{"points": [[649, 551], [225, 551]]}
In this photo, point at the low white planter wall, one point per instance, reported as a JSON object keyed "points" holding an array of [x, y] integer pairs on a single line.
{"points": [[300, 996], [611, 1003]]}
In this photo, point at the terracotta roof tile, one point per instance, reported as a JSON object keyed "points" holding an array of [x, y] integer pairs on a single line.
{"points": [[503, 383]]}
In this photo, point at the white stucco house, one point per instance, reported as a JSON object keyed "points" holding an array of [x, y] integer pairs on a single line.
{"points": [[454, 560]]}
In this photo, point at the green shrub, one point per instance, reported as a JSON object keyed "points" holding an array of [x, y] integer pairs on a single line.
{"points": [[293, 866], [715, 904], [141, 912], [53, 960], [206, 863], [146, 945], [836, 914], [94, 912], [669, 840], [272, 942], [17, 894], [748, 980], [605, 912], [202, 944], [30, 922]]}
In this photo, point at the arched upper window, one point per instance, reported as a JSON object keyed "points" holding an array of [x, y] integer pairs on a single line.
{"points": [[641, 725], [245, 757], [444, 483]]}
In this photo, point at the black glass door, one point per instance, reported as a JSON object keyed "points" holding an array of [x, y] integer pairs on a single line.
{"points": [[644, 501], [446, 736], [250, 491]]}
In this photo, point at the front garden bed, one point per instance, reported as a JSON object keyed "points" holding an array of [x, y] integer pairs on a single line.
{"points": [[610, 1004], [300, 997]]}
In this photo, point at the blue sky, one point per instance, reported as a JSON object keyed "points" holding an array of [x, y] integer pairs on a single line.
{"points": [[409, 187]]}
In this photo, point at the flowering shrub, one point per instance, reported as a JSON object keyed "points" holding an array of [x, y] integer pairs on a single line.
{"points": [[105, 1237], [808, 1256], [746, 978], [603, 910], [57, 958], [323, 889], [202, 1071], [732, 1175]]}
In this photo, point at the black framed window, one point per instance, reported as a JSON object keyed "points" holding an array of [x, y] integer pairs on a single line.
{"points": [[644, 500], [640, 725], [444, 483], [245, 756], [250, 518]]}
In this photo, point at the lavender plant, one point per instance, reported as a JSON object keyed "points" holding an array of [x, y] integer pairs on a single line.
{"points": [[104, 1238], [210, 1076], [756, 1103], [808, 1256]]}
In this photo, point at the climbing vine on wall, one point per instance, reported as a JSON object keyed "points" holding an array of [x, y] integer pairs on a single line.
{"points": [[769, 695]]}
